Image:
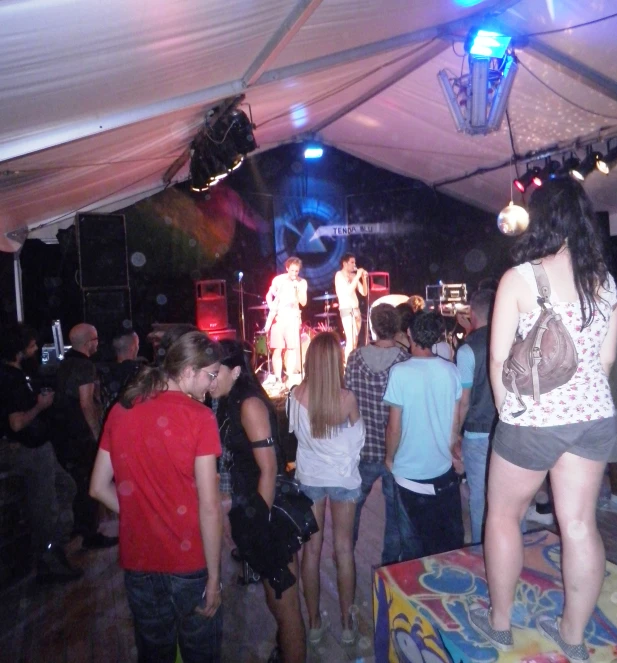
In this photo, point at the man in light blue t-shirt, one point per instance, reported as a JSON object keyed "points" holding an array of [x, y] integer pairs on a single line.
{"points": [[423, 394]]}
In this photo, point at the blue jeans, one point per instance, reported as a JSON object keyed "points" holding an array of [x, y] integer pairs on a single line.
{"points": [[475, 454], [163, 607], [370, 472]]}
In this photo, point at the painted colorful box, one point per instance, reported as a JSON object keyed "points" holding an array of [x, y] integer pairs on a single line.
{"points": [[420, 608]]}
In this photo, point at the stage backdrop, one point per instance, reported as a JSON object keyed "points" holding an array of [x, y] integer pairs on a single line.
{"points": [[276, 205]]}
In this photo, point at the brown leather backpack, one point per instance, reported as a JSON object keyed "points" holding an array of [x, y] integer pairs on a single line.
{"points": [[546, 358]]}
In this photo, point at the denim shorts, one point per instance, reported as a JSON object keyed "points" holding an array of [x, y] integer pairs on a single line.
{"points": [[539, 447], [335, 493]]}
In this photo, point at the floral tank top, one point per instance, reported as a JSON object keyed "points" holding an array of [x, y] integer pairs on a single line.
{"points": [[586, 396]]}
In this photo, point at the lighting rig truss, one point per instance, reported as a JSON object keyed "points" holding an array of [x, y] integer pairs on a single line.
{"points": [[478, 99]]}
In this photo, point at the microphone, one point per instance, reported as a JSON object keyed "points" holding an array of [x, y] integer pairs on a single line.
{"points": [[240, 276]]}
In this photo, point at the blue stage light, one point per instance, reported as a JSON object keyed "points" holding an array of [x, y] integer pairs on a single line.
{"points": [[484, 43], [313, 152]]}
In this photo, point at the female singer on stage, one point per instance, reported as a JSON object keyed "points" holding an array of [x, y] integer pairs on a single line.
{"points": [[248, 429], [156, 467], [326, 420], [570, 434]]}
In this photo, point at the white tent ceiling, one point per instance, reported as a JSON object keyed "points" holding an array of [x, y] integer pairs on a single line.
{"points": [[98, 98]]}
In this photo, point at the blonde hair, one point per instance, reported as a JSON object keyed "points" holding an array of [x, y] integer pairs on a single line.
{"points": [[325, 381], [416, 302]]}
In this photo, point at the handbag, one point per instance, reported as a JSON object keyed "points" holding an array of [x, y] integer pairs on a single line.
{"points": [[292, 511], [546, 358]]}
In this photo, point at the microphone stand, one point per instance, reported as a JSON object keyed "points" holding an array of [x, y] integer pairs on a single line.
{"points": [[241, 290]]}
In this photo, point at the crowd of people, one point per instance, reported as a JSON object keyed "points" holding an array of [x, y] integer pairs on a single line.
{"points": [[147, 447]]}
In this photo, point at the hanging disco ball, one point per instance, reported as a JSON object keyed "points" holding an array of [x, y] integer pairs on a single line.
{"points": [[513, 220]]}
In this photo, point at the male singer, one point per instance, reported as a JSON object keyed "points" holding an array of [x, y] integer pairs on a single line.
{"points": [[348, 282], [285, 297]]}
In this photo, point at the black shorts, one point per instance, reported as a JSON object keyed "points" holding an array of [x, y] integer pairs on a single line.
{"points": [[539, 447]]}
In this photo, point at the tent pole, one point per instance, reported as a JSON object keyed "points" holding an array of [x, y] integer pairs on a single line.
{"points": [[19, 292]]}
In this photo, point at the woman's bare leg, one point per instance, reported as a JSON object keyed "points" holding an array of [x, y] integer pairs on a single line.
{"points": [[311, 554], [510, 489], [576, 484], [343, 516], [286, 610]]}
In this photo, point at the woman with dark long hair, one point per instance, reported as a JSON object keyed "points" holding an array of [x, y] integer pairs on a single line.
{"points": [[326, 420], [570, 433], [156, 467], [248, 429]]}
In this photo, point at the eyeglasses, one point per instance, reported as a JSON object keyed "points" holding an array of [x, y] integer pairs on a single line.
{"points": [[212, 376]]}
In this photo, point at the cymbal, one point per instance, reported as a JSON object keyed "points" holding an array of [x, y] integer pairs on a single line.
{"points": [[261, 307], [326, 315], [324, 298]]}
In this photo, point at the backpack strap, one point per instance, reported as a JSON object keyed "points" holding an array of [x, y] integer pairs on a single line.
{"points": [[544, 287]]}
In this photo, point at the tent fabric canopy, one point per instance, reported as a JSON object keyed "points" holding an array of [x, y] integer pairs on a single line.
{"points": [[99, 99]]}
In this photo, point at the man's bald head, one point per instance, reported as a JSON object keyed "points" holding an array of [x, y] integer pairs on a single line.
{"points": [[84, 338]]}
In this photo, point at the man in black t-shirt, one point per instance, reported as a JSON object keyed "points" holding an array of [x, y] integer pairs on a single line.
{"points": [[77, 414], [49, 489]]}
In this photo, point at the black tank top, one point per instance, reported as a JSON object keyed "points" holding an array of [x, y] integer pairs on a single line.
{"points": [[243, 468]]}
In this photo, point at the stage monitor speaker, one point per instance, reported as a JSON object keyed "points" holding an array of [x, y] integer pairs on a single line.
{"points": [[378, 284], [102, 251], [109, 310], [211, 305]]}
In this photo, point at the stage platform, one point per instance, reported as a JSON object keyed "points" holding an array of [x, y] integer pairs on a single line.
{"points": [[420, 608]]}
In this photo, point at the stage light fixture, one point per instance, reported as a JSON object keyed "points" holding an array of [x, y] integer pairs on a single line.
{"points": [[241, 131], [484, 43], [199, 173], [611, 158], [593, 161], [313, 152], [528, 178], [479, 91], [571, 166], [502, 94], [547, 173]]}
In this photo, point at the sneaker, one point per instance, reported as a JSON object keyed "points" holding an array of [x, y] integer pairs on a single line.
{"points": [[316, 635], [99, 541], [350, 635], [549, 628], [480, 620]]}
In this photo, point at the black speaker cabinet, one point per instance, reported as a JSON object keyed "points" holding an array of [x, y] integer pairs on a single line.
{"points": [[109, 310], [102, 251]]}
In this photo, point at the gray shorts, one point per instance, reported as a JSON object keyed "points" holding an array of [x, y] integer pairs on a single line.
{"points": [[539, 447], [335, 493]]}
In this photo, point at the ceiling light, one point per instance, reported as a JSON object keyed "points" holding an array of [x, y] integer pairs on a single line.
{"points": [[523, 182], [593, 161], [502, 93], [241, 131], [571, 166], [487, 44], [547, 173], [313, 152]]}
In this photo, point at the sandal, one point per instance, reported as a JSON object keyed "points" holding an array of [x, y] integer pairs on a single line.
{"points": [[549, 628], [480, 620], [316, 634]]}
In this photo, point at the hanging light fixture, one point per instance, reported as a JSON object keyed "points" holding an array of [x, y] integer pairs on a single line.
{"points": [[523, 182], [593, 161]]}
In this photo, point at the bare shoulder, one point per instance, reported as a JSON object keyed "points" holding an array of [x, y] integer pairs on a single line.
{"points": [[253, 407]]}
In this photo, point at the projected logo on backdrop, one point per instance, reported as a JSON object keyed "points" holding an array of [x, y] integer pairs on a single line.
{"points": [[302, 229]]}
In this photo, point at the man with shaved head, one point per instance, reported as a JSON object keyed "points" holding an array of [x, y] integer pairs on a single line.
{"points": [[78, 419]]}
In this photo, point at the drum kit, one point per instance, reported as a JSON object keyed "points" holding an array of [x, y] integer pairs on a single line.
{"points": [[324, 322]]}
